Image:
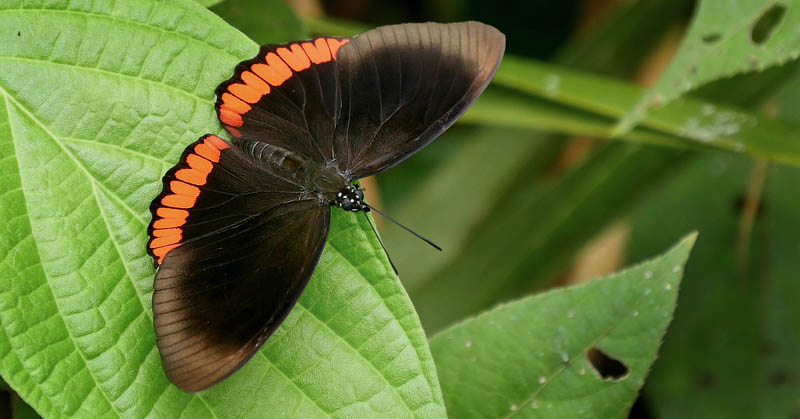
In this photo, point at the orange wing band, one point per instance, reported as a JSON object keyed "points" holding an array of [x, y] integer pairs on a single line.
{"points": [[182, 195], [274, 70]]}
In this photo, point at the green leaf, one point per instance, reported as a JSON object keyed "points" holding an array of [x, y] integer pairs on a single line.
{"points": [[724, 40], [499, 107], [547, 222], [529, 358], [698, 122], [97, 101], [745, 322], [787, 100]]}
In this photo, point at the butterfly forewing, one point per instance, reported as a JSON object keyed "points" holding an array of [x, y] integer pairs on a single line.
{"points": [[288, 96], [375, 100], [403, 85]]}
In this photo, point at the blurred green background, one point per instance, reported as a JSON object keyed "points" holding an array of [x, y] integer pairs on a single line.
{"points": [[527, 193], [519, 208]]}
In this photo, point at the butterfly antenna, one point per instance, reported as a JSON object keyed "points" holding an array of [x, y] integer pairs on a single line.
{"points": [[417, 235], [381, 242]]}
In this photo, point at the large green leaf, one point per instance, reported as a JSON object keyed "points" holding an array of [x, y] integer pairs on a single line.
{"points": [[698, 122], [724, 39], [732, 349], [529, 358], [98, 100], [546, 222]]}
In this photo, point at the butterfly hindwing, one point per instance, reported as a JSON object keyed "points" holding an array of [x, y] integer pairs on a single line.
{"points": [[235, 245]]}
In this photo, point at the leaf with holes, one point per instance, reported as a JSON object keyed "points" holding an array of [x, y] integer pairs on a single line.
{"points": [[97, 101], [724, 40], [579, 352]]}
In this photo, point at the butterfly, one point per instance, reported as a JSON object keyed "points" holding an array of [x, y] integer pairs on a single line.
{"points": [[240, 224]]}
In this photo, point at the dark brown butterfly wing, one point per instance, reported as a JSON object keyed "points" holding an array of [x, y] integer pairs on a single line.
{"points": [[364, 103], [236, 245], [287, 96], [236, 241], [403, 85]]}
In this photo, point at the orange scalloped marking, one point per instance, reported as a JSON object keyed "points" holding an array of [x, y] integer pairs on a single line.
{"points": [[200, 164], [191, 176], [165, 241], [234, 103], [268, 74], [229, 117], [244, 92], [168, 223], [207, 152], [172, 213], [183, 188], [279, 66], [216, 142], [255, 82], [335, 44], [178, 201], [165, 232], [318, 51], [295, 57]]}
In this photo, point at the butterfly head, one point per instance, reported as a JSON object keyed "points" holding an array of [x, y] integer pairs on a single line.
{"points": [[351, 198]]}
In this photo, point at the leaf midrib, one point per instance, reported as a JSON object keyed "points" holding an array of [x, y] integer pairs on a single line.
{"points": [[91, 179], [38, 252], [12, 352], [108, 73]]}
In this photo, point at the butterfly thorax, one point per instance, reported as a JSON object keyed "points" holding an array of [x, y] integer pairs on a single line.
{"points": [[323, 182]]}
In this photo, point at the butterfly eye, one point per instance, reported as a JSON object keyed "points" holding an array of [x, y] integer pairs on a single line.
{"points": [[360, 195]]}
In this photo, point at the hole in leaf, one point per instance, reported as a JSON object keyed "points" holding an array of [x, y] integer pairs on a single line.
{"points": [[766, 24], [710, 38], [606, 366]]}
